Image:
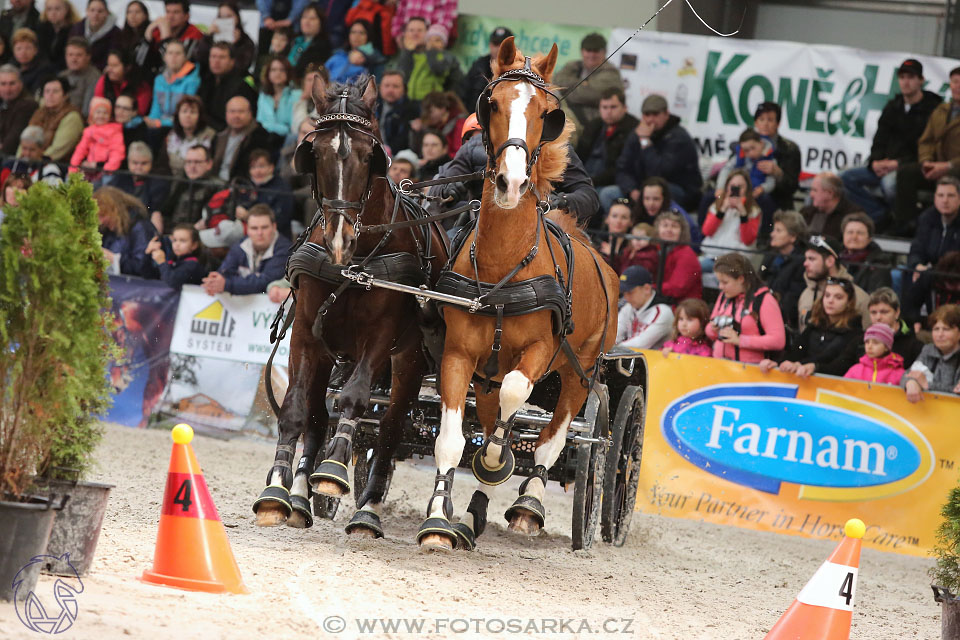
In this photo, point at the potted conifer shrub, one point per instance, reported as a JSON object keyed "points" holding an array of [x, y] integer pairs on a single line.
{"points": [[946, 573], [54, 350]]}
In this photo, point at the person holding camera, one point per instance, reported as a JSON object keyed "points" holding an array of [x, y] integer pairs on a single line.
{"points": [[732, 221], [746, 323]]}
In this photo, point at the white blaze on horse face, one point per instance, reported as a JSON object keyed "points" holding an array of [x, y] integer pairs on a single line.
{"points": [[447, 450], [337, 245], [514, 168]]}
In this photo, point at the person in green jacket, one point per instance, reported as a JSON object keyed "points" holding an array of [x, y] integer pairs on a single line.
{"points": [[425, 62]]}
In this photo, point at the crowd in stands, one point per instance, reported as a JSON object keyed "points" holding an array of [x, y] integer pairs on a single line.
{"points": [[188, 137]]}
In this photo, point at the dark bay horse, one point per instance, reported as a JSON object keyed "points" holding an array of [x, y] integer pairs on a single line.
{"points": [[526, 145], [372, 328]]}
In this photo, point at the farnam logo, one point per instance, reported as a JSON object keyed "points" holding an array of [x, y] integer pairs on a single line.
{"points": [[214, 321], [836, 448]]}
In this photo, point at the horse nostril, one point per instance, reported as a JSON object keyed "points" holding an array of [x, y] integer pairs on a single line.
{"points": [[501, 182], [524, 185]]}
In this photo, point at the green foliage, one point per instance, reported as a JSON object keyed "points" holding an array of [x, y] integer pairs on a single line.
{"points": [[947, 549], [55, 341]]}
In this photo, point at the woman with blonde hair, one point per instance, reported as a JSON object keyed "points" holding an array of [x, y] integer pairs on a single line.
{"points": [[126, 233], [58, 18], [682, 277]]}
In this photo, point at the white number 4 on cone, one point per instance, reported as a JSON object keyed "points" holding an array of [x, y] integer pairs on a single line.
{"points": [[832, 586]]}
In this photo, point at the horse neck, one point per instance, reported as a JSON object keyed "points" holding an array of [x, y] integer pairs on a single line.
{"points": [[504, 236]]}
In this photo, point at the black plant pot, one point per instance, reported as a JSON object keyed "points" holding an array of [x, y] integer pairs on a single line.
{"points": [[24, 530], [76, 528]]}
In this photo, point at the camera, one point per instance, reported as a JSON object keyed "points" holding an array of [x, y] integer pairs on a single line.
{"points": [[735, 191], [722, 322]]}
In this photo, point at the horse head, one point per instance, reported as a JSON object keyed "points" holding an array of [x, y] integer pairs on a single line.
{"points": [[521, 117], [345, 156]]}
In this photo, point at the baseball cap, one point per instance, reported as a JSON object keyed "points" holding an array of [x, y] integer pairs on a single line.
{"points": [[225, 234], [911, 65], [654, 104], [593, 42], [635, 276], [499, 35]]}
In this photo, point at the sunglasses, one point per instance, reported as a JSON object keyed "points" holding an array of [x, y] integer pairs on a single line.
{"points": [[821, 243], [846, 285], [625, 201]]}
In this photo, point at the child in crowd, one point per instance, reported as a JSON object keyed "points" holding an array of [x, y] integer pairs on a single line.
{"points": [[689, 329], [279, 47], [938, 366], [879, 363], [424, 62], [185, 266], [101, 145], [752, 149], [642, 250]]}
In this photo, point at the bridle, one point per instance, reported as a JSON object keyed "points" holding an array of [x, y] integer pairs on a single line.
{"points": [[553, 121]]}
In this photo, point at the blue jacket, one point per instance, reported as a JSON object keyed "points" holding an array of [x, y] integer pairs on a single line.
{"points": [[182, 270], [932, 241], [152, 192], [395, 126], [671, 155], [281, 203], [278, 120], [166, 94], [265, 7], [236, 267], [342, 70], [132, 247]]}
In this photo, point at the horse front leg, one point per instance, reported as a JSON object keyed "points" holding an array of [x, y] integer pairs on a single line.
{"points": [[474, 520]]}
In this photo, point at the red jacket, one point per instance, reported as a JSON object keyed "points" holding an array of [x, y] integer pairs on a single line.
{"points": [[142, 96], [648, 258], [370, 10], [100, 143], [682, 277], [885, 370]]}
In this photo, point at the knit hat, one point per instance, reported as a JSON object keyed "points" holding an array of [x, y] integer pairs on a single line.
{"points": [[439, 31], [880, 332], [99, 102]]}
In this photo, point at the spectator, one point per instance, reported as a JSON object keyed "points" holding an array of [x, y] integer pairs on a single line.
{"points": [[751, 150], [138, 50], [121, 76], [786, 169], [938, 366], [304, 109], [946, 288], [403, 167], [380, 15], [10, 189], [828, 205], [189, 129], [689, 330], [80, 74], [938, 232], [884, 307], [240, 46], [278, 15], [99, 29], [864, 259], [782, 270], [34, 68], [444, 113], [603, 139], [746, 323], [682, 277], [101, 146], [312, 45], [879, 363], [149, 190], [938, 155], [185, 266], [5, 54], [655, 199], [256, 261], [584, 103], [280, 43], [644, 322], [619, 221], [60, 121], [189, 197], [424, 62], [179, 78], [270, 189], [732, 221], [435, 155], [31, 161], [357, 57], [834, 323], [430, 12], [125, 231], [821, 265], [125, 113], [277, 98], [641, 250], [480, 73], [223, 82], [659, 146], [58, 18], [395, 111], [233, 145], [16, 108], [175, 26], [873, 187], [21, 15]]}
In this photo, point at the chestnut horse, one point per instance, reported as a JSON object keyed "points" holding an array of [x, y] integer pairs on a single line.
{"points": [[346, 160], [517, 111]]}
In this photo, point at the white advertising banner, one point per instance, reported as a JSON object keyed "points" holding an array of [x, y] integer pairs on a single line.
{"points": [[831, 96], [227, 327]]}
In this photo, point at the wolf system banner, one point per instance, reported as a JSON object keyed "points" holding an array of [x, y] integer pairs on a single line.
{"points": [[728, 444], [831, 96]]}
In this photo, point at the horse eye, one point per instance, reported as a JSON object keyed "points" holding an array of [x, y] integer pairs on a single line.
{"points": [[493, 106]]}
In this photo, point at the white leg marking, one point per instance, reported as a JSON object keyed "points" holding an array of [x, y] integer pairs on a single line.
{"points": [[299, 485], [447, 450], [547, 454], [372, 508], [277, 478], [514, 159], [514, 391]]}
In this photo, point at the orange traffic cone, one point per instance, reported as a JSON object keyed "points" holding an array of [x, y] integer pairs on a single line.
{"points": [[192, 550], [824, 608]]}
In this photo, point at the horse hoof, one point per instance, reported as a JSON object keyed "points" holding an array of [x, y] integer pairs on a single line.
{"points": [[436, 542], [525, 524], [364, 524], [296, 520], [271, 515], [436, 534], [361, 532], [330, 488]]}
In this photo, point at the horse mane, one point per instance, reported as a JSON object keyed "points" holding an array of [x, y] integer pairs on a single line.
{"points": [[355, 104]]}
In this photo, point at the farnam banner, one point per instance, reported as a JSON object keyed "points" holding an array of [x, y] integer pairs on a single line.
{"points": [[831, 96], [776, 453]]}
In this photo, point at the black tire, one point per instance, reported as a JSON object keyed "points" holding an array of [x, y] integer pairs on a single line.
{"points": [[588, 483], [622, 473]]}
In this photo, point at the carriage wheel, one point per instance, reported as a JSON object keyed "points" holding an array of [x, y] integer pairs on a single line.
{"points": [[622, 474], [361, 472], [591, 462]]}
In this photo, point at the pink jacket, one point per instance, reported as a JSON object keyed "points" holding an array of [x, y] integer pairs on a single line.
{"points": [[885, 370], [683, 344], [100, 143], [752, 344]]}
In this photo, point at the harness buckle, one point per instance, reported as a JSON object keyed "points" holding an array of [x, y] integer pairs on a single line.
{"points": [[404, 186]]}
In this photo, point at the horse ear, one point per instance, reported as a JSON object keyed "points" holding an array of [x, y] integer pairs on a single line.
{"points": [[546, 64], [370, 93], [507, 53], [319, 93]]}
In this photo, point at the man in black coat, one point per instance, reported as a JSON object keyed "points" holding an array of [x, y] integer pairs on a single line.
{"points": [[222, 82], [21, 15], [602, 139], [479, 74], [938, 232], [16, 109], [233, 145], [395, 111], [873, 187]]}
